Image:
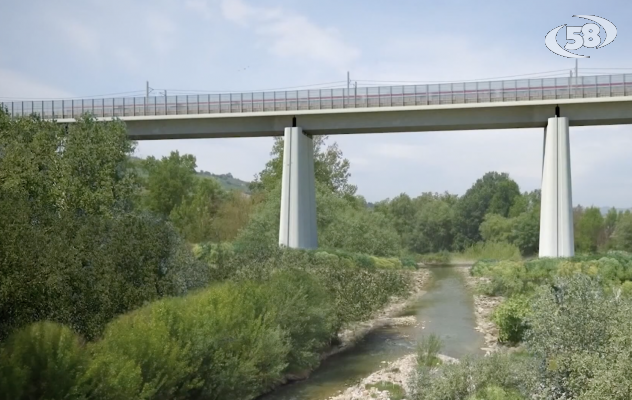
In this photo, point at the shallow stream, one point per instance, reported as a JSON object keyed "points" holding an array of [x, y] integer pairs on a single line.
{"points": [[446, 309]]}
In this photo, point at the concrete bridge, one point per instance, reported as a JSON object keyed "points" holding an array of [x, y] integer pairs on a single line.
{"points": [[554, 104]]}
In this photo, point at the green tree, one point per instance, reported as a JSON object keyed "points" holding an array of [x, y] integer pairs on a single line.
{"points": [[195, 215], [330, 168], [590, 228], [610, 223], [433, 228], [169, 181], [73, 249], [494, 193], [401, 212], [622, 236], [496, 228]]}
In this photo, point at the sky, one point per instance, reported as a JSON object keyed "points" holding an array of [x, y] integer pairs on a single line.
{"points": [[84, 48]]}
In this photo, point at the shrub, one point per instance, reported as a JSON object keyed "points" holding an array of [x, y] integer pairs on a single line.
{"points": [[474, 377], [139, 357], [427, 350], [511, 318], [303, 308], [495, 393], [214, 344], [41, 361], [574, 326], [435, 258], [492, 250], [408, 262], [626, 289], [387, 263]]}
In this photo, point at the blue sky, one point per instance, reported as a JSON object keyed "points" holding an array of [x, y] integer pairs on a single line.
{"points": [[92, 47]]}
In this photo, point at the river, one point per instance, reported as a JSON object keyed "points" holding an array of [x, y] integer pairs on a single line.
{"points": [[446, 309]]}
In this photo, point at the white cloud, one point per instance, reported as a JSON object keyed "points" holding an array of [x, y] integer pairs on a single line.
{"points": [[14, 85], [161, 30], [239, 12], [82, 37], [284, 33], [201, 7]]}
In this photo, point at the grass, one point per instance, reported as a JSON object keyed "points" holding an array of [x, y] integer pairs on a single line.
{"points": [[490, 251], [396, 392]]}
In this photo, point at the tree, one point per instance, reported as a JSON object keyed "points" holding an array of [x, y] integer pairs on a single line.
{"points": [[195, 215], [433, 228], [233, 215], [496, 228], [610, 223], [73, 249], [401, 212], [622, 236], [589, 233], [494, 192], [330, 168], [169, 181]]}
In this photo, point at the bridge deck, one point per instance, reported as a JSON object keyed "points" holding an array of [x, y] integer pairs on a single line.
{"points": [[300, 101]]}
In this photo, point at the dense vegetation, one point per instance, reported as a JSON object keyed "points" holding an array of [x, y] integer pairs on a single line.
{"points": [[572, 320], [104, 294], [126, 278]]}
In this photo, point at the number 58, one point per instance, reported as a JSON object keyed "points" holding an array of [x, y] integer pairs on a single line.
{"points": [[590, 36]]}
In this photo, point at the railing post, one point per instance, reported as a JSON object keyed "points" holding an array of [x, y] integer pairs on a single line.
{"points": [[198, 104]]}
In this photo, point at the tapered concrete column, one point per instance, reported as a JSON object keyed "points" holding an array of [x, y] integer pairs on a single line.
{"points": [[298, 193], [556, 213]]}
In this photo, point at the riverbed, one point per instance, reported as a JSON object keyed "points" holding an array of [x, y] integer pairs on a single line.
{"points": [[446, 310]]}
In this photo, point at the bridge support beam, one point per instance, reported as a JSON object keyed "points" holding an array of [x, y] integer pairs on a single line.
{"points": [[556, 213], [298, 192]]}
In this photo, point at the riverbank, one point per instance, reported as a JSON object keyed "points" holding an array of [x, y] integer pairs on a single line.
{"points": [[388, 316], [392, 381], [483, 308]]}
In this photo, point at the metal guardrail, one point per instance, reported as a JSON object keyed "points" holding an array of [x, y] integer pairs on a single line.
{"points": [[323, 99]]}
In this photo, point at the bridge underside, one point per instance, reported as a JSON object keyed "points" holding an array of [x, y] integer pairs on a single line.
{"points": [[297, 227], [601, 111]]}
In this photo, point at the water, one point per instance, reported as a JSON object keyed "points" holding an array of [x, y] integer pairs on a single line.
{"points": [[446, 309]]}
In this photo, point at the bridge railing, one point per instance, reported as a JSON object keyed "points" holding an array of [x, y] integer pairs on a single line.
{"points": [[323, 99]]}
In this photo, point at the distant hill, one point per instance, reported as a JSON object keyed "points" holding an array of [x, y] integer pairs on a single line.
{"points": [[227, 181]]}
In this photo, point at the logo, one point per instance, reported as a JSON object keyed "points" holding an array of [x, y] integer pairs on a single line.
{"points": [[589, 35]]}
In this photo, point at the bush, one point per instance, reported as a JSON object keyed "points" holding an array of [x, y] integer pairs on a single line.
{"points": [[41, 361], [475, 378], [626, 289], [492, 250], [511, 318], [577, 332], [297, 302], [495, 393], [427, 350], [215, 344], [435, 258], [87, 270], [409, 262]]}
